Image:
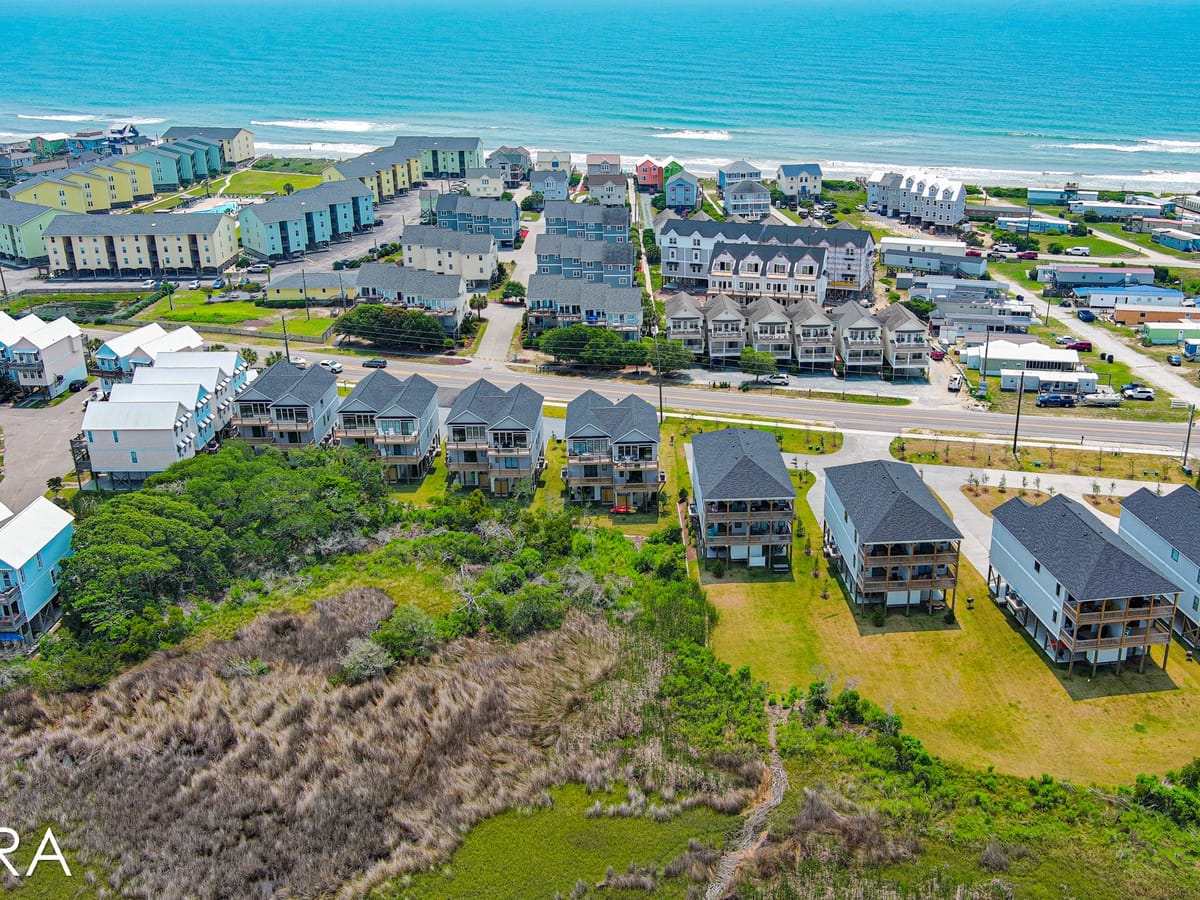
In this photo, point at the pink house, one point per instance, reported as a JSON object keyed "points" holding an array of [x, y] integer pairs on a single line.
{"points": [[649, 176]]}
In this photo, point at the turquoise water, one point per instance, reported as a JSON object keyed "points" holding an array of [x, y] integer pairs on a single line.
{"points": [[991, 90]]}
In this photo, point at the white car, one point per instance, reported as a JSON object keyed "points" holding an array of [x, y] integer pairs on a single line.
{"points": [[1138, 393], [149, 283], [777, 378], [330, 365], [1079, 251], [1064, 339], [193, 285], [1005, 248], [299, 362]]}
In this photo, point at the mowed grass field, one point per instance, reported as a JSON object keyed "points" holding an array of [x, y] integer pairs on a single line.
{"points": [[979, 693], [192, 308], [542, 853], [257, 181]]}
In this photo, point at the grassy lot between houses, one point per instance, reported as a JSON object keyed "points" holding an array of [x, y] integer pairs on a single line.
{"points": [[1097, 244], [980, 693], [192, 308], [303, 165], [1142, 240], [257, 182], [1103, 466], [570, 846], [986, 499], [1018, 272]]}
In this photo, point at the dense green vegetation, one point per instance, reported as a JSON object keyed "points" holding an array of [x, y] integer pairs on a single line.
{"points": [[600, 348], [390, 326]]}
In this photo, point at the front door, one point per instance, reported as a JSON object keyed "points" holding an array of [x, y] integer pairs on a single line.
{"points": [[606, 495]]}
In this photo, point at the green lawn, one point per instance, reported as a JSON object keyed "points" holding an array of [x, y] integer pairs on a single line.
{"points": [[192, 308], [1098, 245], [544, 852], [293, 165], [256, 182], [979, 693], [18, 304], [1142, 240], [1018, 272]]}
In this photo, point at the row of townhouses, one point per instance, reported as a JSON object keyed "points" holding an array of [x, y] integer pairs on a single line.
{"points": [[289, 226], [919, 197], [393, 171], [848, 338], [33, 544]]}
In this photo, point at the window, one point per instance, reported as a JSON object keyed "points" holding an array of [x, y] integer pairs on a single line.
{"points": [[1174, 555], [1195, 603], [1054, 616], [133, 456], [38, 557], [1057, 590], [1037, 566], [116, 437]]}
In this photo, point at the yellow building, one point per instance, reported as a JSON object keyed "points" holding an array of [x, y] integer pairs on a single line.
{"points": [[386, 172], [154, 244], [141, 176], [50, 190], [237, 144], [323, 288], [99, 187]]}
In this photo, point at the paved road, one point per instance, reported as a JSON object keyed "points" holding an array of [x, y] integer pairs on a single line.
{"points": [[36, 448]]}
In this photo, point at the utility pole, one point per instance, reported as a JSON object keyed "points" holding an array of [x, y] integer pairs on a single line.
{"points": [[3, 286], [1187, 441], [658, 368], [287, 354], [1017, 424], [987, 345], [304, 290]]}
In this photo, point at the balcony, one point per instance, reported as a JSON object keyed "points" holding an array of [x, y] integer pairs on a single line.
{"points": [[1133, 637], [396, 438], [724, 538], [1088, 615], [872, 583], [598, 456], [508, 451], [458, 465], [283, 427], [741, 512], [634, 465], [262, 420], [588, 480], [472, 444]]}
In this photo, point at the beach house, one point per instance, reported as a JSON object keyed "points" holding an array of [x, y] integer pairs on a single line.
{"points": [[495, 439], [555, 302], [586, 220], [287, 406], [813, 334], [1162, 528], [571, 257], [396, 420], [905, 342], [787, 273], [889, 537], [748, 199], [488, 182], [724, 329], [33, 544], [1083, 593], [46, 360], [479, 215], [685, 322], [551, 184], [649, 176], [859, 338], [800, 181], [612, 452], [610, 190], [446, 252], [442, 296], [744, 499], [683, 192], [515, 161], [736, 173], [118, 357], [918, 197]]}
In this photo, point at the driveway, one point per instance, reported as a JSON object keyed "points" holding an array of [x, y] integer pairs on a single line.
{"points": [[37, 448]]}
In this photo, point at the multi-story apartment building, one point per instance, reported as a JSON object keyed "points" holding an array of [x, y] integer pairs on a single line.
{"points": [[889, 537], [396, 419], [586, 220], [117, 358], [612, 452], [800, 181], [685, 323], [769, 329], [570, 257], [783, 272], [46, 360], [287, 406], [447, 252], [926, 199], [236, 144], [1092, 597], [33, 544], [1162, 528], [744, 498], [443, 296], [555, 302], [905, 342], [724, 329], [610, 190], [495, 439], [515, 161], [21, 227], [150, 244], [736, 173], [813, 336], [306, 220], [749, 199], [442, 157], [489, 182], [479, 215], [387, 173], [859, 338]]}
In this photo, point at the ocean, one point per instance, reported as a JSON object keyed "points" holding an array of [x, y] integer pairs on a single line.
{"points": [[990, 91]]}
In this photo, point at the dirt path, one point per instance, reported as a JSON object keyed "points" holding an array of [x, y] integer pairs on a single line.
{"points": [[754, 830]]}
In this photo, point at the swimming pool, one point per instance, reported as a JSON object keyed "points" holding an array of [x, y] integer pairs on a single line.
{"points": [[230, 209]]}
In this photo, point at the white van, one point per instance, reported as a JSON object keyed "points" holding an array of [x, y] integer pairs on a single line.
{"points": [[954, 385]]}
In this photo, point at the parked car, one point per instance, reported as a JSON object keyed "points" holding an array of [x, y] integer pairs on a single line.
{"points": [[258, 267], [1174, 359], [1086, 315], [1065, 304], [1131, 386], [936, 352], [777, 378], [1027, 254], [1107, 399], [331, 366], [1064, 339], [338, 265], [974, 252], [1005, 248], [954, 385], [194, 285], [375, 363], [299, 362], [149, 283], [997, 256], [77, 385], [1079, 251], [1139, 393], [218, 284], [1082, 346], [1065, 401]]}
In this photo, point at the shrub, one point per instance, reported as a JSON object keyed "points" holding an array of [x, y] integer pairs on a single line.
{"points": [[363, 660], [718, 569], [879, 616], [409, 634]]}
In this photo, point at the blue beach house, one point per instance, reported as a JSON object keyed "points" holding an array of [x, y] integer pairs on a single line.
{"points": [[33, 543], [683, 192]]}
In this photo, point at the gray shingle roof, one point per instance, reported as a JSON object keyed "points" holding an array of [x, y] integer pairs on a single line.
{"points": [[216, 134], [490, 171], [587, 213], [850, 314], [763, 308], [1174, 517], [518, 156], [746, 189], [293, 206], [391, 278], [416, 144], [541, 176], [591, 294], [478, 206], [1090, 561], [312, 281], [482, 401], [604, 178], [682, 306], [740, 464], [815, 237], [806, 312], [604, 252], [446, 239], [722, 306], [630, 418], [15, 212], [283, 380], [898, 316], [789, 170], [148, 223], [370, 163], [390, 397], [889, 503], [793, 253], [740, 167], [684, 176]]}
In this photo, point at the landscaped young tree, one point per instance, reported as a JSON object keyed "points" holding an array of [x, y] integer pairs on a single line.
{"points": [[478, 303], [533, 202], [667, 357], [658, 202], [566, 344], [756, 362], [512, 289]]}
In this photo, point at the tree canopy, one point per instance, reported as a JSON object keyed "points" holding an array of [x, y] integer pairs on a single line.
{"points": [[756, 362], [391, 326]]}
